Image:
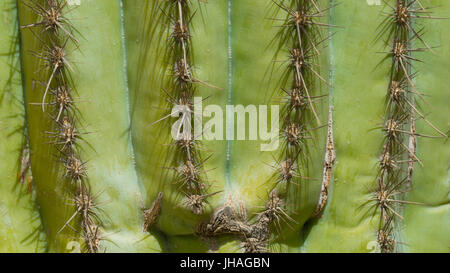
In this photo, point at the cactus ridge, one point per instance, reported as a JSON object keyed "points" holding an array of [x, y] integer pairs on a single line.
{"points": [[400, 144], [55, 32], [301, 32], [187, 166]]}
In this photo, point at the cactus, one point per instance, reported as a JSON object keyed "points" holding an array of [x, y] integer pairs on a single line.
{"points": [[118, 127]]}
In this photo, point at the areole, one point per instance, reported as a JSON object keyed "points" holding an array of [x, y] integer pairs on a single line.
{"points": [[221, 126]]}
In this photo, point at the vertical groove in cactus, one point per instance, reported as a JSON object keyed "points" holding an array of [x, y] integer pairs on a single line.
{"points": [[91, 93], [346, 225], [20, 224], [58, 92]]}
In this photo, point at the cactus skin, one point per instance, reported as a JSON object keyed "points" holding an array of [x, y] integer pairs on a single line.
{"points": [[20, 224], [146, 46], [241, 177], [349, 216], [103, 109], [126, 154], [345, 225], [425, 226]]}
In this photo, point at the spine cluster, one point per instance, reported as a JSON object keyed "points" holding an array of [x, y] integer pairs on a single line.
{"points": [[233, 220], [398, 155], [299, 30], [54, 31], [300, 36], [188, 163]]}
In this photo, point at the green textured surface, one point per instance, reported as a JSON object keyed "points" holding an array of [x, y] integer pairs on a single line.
{"points": [[427, 228], [99, 78], [46, 169], [235, 43], [152, 141], [250, 172], [126, 154], [251, 177], [20, 225], [347, 224]]}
